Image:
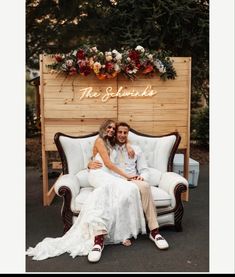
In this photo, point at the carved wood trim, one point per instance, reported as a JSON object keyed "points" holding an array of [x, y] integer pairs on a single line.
{"points": [[66, 213]]}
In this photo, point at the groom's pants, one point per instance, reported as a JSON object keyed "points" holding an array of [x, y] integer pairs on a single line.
{"points": [[148, 204]]}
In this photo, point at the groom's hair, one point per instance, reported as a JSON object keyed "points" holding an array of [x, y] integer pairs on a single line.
{"points": [[123, 124]]}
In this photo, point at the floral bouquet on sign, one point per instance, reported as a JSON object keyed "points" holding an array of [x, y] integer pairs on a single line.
{"points": [[105, 65]]}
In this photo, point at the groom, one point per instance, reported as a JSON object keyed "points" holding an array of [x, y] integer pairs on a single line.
{"points": [[136, 166]]}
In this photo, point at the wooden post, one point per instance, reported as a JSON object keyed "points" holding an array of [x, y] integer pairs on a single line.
{"points": [[185, 195], [47, 195], [44, 157]]}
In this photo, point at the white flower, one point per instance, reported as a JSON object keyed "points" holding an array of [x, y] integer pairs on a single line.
{"points": [[128, 59], [75, 53], [64, 67], [91, 61], [139, 48], [96, 67], [118, 57], [94, 49], [117, 68], [108, 58], [108, 53], [162, 69], [132, 71], [135, 70], [159, 65], [150, 56], [69, 63]]}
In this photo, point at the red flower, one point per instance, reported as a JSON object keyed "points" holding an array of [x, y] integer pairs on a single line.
{"points": [[109, 66], [85, 70], [134, 55], [80, 55], [148, 69], [58, 58], [72, 71]]}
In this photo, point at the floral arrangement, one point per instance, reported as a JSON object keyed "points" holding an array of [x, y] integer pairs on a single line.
{"points": [[106, 65]]}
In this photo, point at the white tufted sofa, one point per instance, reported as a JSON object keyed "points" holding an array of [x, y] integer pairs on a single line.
{"points": [[166, 186]]}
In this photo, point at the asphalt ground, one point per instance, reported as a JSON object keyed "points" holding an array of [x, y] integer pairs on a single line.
{"points": [[188, 251]]}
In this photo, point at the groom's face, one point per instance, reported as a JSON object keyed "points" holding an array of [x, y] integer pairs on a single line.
{"points": [[122, 134]]}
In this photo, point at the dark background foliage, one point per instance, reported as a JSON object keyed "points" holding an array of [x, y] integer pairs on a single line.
{"points": [[178, 26]]}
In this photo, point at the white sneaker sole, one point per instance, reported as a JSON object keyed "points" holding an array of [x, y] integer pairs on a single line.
{"points": [[94, 256], [161, 244]]}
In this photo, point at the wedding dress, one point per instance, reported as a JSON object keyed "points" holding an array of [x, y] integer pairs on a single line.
{"points": [[114, 207]]}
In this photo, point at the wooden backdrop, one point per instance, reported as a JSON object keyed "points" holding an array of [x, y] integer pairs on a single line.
{"points": [[63, 110]]}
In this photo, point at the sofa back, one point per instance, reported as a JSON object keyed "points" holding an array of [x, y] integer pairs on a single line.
{"points": [[75, 152]]}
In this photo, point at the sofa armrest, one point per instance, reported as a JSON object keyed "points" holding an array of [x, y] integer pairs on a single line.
{"points": [[67, 182], [169, 181]]}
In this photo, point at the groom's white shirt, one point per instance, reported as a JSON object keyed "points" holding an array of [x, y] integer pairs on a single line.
{"points": [[132, 166]]}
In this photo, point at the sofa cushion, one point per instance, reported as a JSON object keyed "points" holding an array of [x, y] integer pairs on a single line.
{"points": [[83, 178], [160, 197], [154, 176]]}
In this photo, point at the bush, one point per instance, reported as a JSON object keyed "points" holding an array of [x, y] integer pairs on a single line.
{"points": [[200, 127], [32, 122]]}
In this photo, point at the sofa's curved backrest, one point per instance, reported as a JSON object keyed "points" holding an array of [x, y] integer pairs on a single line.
{"points": [[75, 152], [157, 150]]}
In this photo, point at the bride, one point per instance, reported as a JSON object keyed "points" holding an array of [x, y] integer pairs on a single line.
{"points": [[111, 214]]}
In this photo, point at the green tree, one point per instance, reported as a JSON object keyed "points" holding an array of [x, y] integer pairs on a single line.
{"points": [[179, 26]]}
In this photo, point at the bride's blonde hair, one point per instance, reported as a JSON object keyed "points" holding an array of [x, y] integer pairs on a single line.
{"points": [[109, 142]]}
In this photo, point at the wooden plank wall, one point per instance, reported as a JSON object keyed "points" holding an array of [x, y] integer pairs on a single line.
{"points": [[63, 110], [162, 113]]}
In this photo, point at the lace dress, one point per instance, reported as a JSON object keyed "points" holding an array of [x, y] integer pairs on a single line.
{"points": [[114, 207]]}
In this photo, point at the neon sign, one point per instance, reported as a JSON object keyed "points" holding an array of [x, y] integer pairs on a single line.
{"points": [[88, 92]]}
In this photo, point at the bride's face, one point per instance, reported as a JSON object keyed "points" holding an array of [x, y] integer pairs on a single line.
{"points": [[110, 130]]}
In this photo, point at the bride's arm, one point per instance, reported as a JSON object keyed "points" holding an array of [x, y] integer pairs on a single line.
{"points": [[99, 144]]}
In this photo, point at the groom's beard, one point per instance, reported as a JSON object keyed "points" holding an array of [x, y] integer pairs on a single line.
{"points": [[121, 143]]}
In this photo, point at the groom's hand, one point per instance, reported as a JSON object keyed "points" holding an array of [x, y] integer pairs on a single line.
{"points": [[94, 165], [139, 178]]}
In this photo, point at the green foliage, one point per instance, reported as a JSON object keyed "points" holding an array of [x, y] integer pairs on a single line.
{"points": [[200, 127], [32, 122], [180, 26]]}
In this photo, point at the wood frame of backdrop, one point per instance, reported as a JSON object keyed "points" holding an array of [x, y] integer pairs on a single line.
{"points": [[63, 110]]}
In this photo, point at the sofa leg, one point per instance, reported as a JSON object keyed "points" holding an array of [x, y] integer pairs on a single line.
{"points": [[178, 214], [66, 213], [67, 220], [178, 227]]}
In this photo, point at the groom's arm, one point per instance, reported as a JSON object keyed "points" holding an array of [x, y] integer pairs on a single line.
{"points": [[142, 167]]}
